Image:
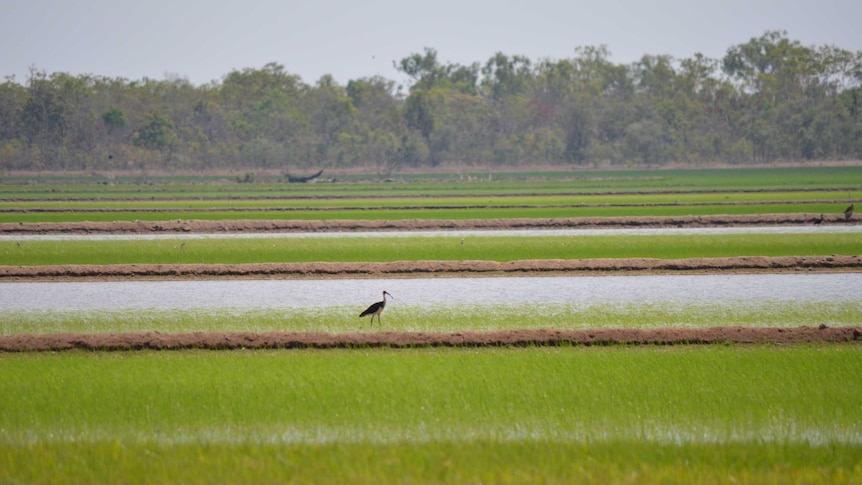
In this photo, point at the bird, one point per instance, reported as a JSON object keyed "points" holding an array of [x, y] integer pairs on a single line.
{"points": [[818, 221], [376, 308], [848, 212]]}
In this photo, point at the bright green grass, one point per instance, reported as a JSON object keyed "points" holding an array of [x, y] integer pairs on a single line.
{"points": [[812, 190], [461, 201], [645, 415], [474, 462], [796, 178], [413, 318], [494, 248], [426, 214]]}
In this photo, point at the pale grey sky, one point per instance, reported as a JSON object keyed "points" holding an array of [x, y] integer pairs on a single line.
{"points": [[203, 40]]}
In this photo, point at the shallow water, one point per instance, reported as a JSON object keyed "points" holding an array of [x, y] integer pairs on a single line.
{"points": [[262, 294]]}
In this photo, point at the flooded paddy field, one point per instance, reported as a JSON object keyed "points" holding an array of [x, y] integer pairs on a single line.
{"points": [[420, 302], [721, 282], [537, 290]]}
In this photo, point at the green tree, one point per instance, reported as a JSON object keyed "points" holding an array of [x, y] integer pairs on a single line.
{"points": [[156, 132], [13, 98], [506, 76], [770, 98], [419, 115], [56, 118], [114, 119], [330, 113]]}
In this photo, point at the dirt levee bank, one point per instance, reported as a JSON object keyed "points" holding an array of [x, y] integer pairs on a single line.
{"points": [[288, 340], [241, 226], [431, 268]]}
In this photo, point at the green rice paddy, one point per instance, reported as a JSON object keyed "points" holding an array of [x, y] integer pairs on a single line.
{"points": [[382, 249], [683, 414], [514, 195], [641, 415]]}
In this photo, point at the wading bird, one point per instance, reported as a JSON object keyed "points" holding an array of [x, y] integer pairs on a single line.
{"points": [[818, 221], [848, 212], [376, 308]]}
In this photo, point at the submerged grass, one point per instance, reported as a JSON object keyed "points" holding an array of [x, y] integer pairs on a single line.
{"points": [[454, 318], [382, 249], [505, 415]]}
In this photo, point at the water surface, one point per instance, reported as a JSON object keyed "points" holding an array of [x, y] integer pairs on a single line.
{"points": [[262, 294]]}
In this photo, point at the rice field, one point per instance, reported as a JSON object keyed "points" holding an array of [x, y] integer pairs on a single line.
{"points": [[438, 196], [441, 318], [681, 414], [384, 249], [596, 415]]}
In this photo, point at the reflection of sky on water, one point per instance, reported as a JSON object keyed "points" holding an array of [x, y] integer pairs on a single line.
{"points": [[165, 295]]}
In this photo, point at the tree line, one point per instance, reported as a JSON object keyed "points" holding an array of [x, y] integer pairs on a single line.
{"points": [[768, 99]]}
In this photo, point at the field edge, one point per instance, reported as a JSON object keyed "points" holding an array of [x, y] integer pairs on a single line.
{"points": [[502, 338]]}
